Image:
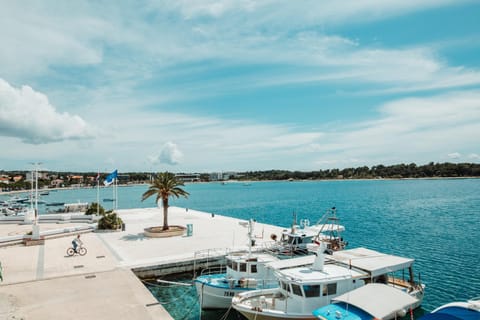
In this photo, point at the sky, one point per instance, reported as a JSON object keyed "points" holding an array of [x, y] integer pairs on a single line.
{"points": [[212, 86]]}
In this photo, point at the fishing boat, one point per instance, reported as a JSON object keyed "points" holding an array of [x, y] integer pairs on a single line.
{"points": [[372, 301], [392, 270], [467, 310], [244, 271], [305, 238], [304, 289]]}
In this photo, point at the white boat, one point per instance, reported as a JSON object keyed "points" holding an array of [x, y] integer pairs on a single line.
{"points": [[372, 301], [244, 271], [304, 289], [461, 310], [301, 290], [384, 268], [303, 237]]}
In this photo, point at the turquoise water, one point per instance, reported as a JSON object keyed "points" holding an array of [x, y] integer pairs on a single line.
{"points": [[436, 222]]}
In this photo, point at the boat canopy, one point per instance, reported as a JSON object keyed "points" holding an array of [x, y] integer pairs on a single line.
{"points": [[371, 261], [327, 227], [379, 300], [291, 263]]}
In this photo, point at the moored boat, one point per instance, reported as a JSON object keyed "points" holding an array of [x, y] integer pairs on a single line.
{"points": [[372, 301], [461, 310], [304, 289], [304, 237]]}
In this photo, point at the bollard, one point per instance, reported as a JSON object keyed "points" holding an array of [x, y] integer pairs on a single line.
{"points": [[189, 229]]}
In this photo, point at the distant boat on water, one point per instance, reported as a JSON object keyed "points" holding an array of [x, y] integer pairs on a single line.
{"points": [[108, 200], [55, 204]]}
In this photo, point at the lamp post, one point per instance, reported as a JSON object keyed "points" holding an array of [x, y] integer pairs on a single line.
{"points": [[36, 226]]}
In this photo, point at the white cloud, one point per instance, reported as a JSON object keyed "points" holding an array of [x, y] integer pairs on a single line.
{"points": [[410, 128], [28, 115], [182, 32], [454, 155], [474, 156], [169, 154]]}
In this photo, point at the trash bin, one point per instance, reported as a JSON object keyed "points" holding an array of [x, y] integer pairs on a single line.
{"points": [[189, 229], [123, 226]]}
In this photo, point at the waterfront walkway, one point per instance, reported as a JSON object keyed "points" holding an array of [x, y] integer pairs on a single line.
{"points": [[41, 282]]}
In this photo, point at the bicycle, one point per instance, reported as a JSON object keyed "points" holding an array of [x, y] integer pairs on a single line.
{"points": [[81, 250]]}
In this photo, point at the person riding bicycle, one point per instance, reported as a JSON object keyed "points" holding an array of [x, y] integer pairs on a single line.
{"points": [[76, 243]]}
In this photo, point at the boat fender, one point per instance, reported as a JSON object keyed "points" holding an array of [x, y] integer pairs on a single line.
{"points": [[401, 313]]}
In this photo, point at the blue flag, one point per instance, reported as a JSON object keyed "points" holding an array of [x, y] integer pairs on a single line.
{"points": [[110, 178]]}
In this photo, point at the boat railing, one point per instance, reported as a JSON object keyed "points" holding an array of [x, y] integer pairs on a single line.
{"points": [[213, 270]]}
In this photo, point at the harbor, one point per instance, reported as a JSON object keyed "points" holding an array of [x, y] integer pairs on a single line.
{"points": [[39, 279], [120, 272]]}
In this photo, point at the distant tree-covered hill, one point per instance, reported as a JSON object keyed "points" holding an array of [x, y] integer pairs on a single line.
{"points": [[398, 171]]}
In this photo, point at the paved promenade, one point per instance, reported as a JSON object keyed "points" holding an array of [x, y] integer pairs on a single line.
{"points": [[41, 282]]}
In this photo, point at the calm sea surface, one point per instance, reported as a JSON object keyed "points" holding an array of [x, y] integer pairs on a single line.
{"points": [[436, 222]]}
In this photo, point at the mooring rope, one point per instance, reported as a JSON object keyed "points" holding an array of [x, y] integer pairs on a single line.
{"points": [[194, 304], [169, 301], [225, 315]]}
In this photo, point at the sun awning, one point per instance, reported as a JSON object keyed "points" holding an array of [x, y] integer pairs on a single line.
{"points": [[379, 300], [291, 263], [371, 261]]}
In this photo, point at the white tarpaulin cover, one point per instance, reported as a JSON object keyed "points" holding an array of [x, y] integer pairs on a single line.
{"points": [[374, 262], [379, 300], [291, 263]]}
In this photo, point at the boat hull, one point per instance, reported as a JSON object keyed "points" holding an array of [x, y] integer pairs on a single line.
{"points": [[259, 315], [215, 297]]}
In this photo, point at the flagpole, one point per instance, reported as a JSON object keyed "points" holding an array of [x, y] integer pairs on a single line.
{"points": [[98, 192], [113, 192], [116, 193]]}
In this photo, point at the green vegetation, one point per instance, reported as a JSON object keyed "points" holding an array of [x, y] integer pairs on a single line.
{"points": [[17, 179], [93, 208], [165, 185], [398, 171], [110, 221]]}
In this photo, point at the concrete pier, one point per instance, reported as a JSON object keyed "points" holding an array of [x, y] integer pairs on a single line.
{"points": [[41, 282]]}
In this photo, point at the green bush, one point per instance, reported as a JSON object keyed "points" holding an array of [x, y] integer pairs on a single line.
{"points": [[92, 209], [110, 221]]}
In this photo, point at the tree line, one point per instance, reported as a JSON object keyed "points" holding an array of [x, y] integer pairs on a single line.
{"points": [[397, 171]]}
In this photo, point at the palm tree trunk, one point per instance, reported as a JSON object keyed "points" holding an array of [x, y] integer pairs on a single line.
{"points": [[165, 213]]}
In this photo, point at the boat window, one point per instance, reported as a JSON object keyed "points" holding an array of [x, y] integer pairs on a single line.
{"points": [[285, 287], [253, 268], [243, 267], [229, 263], [296, 289], [329, 289], [311, 290], [234, 265]]}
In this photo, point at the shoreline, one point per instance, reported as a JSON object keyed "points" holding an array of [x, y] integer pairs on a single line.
{"points": [[245, 181]]}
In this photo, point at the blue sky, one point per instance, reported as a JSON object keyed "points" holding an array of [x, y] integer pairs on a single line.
{"points": [[202, 86]]}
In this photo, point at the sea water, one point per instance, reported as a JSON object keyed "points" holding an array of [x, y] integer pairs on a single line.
{"points": [[434, 221]]}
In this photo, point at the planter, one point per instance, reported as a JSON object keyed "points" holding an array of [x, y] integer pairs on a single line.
{"points": [[157, 232], [34, 242]]}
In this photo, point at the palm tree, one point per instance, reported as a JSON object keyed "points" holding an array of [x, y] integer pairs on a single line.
{"points": [[164, 186]]}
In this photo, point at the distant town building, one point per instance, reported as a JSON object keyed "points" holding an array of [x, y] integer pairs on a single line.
{"points": [[56, 183], [216, 176], [188, 177], [5, 179], [41, 175]]}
